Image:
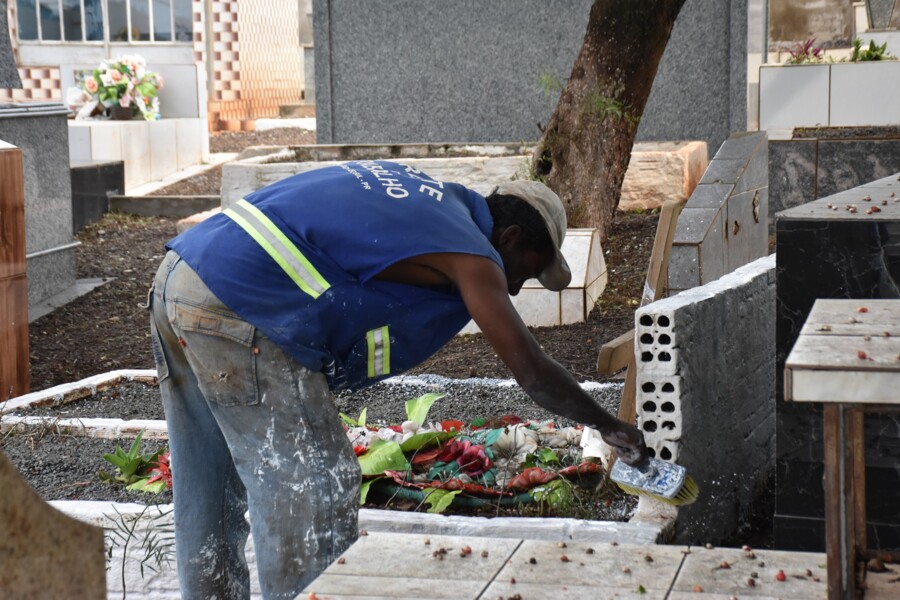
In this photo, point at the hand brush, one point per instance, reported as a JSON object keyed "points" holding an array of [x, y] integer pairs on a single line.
{"points": [[658, 479]]}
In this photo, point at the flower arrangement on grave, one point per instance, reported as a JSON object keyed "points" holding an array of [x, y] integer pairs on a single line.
{"points": [[498, 462], [120, 88]]}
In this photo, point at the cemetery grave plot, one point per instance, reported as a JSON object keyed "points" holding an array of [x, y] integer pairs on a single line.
{"points": [[64, 463]]}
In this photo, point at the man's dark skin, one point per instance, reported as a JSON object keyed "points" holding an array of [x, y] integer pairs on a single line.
{"points": [[485, 289]]}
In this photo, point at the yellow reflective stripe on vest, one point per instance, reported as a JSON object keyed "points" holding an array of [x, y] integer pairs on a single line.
{"points": [[379, 342], [279, 247]]}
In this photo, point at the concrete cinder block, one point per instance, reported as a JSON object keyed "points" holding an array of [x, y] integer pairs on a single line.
{"points": [[659, 415], [721, 382]]}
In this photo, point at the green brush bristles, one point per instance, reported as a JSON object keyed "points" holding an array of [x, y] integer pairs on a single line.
{"points": [[687, 494]]}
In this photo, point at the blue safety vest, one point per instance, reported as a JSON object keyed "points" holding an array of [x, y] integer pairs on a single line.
{"points": [[297, 259]]}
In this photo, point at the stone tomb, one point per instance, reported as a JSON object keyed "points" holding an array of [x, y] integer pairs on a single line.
{"points": [[846, 245], [723, 225]]}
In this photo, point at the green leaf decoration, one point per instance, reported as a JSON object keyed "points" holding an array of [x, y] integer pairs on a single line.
{"points": [[360, 422], [364, 489], [383, 455], [141, 485], [556, 493], [479, 422], [417, 408], [428, 438], [438, 500], [547, 456], [443, 471]]}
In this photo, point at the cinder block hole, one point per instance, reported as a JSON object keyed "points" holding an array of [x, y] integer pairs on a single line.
{"points": [[651, 452], [665, 357], [663, 321], [649, 406], [648, 387], [668, 388], [646, 356], [668, 407], [646, 338], [646, 320], [665, 454], [670, 425], [649, 426], [665, 340]]}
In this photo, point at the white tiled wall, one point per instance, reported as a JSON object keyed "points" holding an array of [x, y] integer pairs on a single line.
{"points": [[865, 94], [151, 150], [835, 95]]}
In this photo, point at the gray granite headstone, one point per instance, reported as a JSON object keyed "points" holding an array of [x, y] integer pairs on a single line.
{"points": [[9, 75], [472, 71], [40, 130]]}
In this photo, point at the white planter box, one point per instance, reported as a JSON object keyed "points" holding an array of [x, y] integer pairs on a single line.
{"points": [[151, 150], [829, 95]]}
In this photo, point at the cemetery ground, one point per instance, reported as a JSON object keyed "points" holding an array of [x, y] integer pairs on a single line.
{"points": [[107, 329]]}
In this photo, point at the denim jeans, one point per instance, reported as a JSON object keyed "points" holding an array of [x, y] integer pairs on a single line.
{"points": [[249, 429]]}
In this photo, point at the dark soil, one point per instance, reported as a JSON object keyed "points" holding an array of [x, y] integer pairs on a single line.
{"points": [[108, 329]]}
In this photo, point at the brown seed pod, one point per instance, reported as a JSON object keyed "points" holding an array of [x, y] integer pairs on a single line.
{"points": [[341, 560], [648, 558], [862, 309], [626, 570], [751, 582], [564, 558], [484, 554], [861, 355]]}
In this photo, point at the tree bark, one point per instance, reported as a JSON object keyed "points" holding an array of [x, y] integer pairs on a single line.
{"points": [[586, 146]]}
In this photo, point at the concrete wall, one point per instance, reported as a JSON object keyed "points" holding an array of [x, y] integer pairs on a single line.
{"points": [[39, 130], [706, 393], [723, 225], [470, 71], [9, 76]]}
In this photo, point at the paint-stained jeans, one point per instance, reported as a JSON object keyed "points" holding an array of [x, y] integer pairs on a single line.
{"points": [[249, 428]]}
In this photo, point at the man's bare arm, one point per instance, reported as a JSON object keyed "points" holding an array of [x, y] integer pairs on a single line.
{"points": [[483, 287]]}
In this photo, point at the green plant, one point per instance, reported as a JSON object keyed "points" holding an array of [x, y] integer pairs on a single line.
{"points": [[550, 84], [871, 53], [156, 536], [602, 106], [135, 470]]}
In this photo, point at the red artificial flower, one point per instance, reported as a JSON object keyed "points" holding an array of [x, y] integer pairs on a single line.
{"points": [[450, 425], [472, 459], [162, 471], [531, 477], [359, 449]]}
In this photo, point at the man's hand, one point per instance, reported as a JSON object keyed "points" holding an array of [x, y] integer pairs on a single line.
{"points": [[628, 442]]}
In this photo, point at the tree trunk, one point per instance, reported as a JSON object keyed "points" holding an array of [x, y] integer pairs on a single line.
{"points": [[586, 146]]}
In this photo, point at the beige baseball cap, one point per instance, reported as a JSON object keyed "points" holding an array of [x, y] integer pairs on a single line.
{"points": [[557, 275]]}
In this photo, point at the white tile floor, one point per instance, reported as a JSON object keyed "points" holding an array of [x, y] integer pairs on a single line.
{"points": [[389, 565]]}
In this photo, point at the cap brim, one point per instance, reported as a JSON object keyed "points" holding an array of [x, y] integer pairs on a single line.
{"points": [[557, 276]]}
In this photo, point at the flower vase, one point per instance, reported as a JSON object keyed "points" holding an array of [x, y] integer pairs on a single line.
{"points": [[121, 113]]}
